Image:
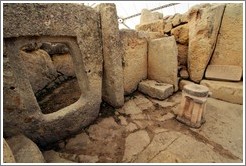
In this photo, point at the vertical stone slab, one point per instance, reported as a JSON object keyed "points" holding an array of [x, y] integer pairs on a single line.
{"points": [[112, 91], [229, 47], [135, 59], [162, 61], [204, 24]]}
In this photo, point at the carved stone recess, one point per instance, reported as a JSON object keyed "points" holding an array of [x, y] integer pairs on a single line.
{"points": [[21, 111], [193, 105]]}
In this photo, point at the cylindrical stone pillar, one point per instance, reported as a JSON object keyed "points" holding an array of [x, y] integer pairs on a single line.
{"points": [[193, 105]]}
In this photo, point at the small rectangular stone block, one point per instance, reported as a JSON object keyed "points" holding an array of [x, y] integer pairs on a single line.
{"points": [[224, 72], [155, 89]]}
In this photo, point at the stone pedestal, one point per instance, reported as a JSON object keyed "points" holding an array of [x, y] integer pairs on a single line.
{"points": [[193, 105]]}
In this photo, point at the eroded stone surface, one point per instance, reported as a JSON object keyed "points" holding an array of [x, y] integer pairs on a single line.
{"points": [[147, 16], [162, 61], [182, 54], [204, 23], [155, 89], [64, 64], [224, 72], [8, 156], [226, 91], [134, 59], [24, 150], [156, 26], [229, 46], [52, 156], [113, 88], [181, 34]]}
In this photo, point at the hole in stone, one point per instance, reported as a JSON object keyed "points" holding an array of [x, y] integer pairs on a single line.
{"points": [[12, 88], [51, 73]]}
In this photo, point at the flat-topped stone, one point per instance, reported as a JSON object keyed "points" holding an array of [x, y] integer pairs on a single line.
{"points": [[155, 89], [224, 72], [196, 90]]}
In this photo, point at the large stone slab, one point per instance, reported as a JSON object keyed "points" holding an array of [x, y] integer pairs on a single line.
{"points": [[79, 30], [162, 61], [113, 88], [155, 89], [134, 59], [226, 91], [229, 46], [204, 23], [24, 150], [224, 72]]}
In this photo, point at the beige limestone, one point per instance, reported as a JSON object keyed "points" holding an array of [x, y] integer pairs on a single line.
{"points": [[162, 61], [113, 90], [154, 26], [64, 64], [168, 27], [52, 156], [181, 34], [182, 54], [176, 20], [150, 35], [204, 23], [24, 150], [184, 73], [229, 47], [147, 16], [182, 83], [184, 18], [39, 68], [224, 72], [155, 89], [226, 91], [134, 59], [8, 156]]}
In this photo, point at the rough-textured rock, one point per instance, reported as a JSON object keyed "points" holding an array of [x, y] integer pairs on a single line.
{"points": [[143, 103], [38, 23], [162, 61], [229, 46], [204, 23], [52, 156], [184, 73], [54, 48], [113, 88], [135, 143], [182, 83], [226, 91], [157, 26], [130, 108], [182, 54], [77, 143], [88, 159], [224, 72], [184, 18], [181, 34], [134, 59], [24, 150], [176, 20], [64, 64], [168, 27], [8, 156], [39, 68], [155, 89], [131, 127], [150, 35], [147, 16]]}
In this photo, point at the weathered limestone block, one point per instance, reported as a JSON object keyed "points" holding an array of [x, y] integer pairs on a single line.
{"points": [[182, 83], [113, 88], [52, 156], [182, 54], [156, 90], [64, 64], [168, 27], [181, 34], [154, 26], [162, 61], [229, 47], [150, 35], [148, 16], [204, 23], [134, 59], [38, 23], [39, 68], [224, 72], [184, 18], [227, 91], [176, 20], [8, 156], [24, 150]]}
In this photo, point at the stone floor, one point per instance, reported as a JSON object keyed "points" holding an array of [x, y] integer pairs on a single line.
{"points": [[145, 131]]}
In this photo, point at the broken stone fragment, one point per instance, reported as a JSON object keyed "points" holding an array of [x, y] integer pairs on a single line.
{"points": [[156, 90]]}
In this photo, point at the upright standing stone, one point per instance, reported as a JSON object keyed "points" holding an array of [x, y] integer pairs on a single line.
{"points": [[112, 91], [135, 59], [204, 23], [229, 47], [162, 61]]}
